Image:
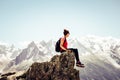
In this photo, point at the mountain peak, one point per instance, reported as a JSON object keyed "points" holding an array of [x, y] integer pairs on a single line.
{"points": [[32, 44]]}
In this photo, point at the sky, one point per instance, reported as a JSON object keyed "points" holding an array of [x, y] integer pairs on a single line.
{"points": [[36, 20]]}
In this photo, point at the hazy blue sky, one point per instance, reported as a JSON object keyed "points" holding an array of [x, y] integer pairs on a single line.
{"points": [[25, 20]]}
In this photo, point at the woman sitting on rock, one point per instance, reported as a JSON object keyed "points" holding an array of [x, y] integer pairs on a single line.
{"points": [[64, 48]]}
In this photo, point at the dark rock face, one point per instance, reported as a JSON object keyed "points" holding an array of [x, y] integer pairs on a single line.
{"points": [[4, 76], [8, 74], [61, 67]]}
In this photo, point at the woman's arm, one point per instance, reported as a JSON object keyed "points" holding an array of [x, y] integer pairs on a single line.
{"points": [[61, 43]]}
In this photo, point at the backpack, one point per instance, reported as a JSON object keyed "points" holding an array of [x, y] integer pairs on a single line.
{"points": [[57, 45]]}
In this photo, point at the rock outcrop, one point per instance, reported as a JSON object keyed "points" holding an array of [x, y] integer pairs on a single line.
{"points": [[4, 76], [60, 67]]}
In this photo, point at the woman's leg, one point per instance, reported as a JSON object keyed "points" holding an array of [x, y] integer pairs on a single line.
{"points": [[78, 63], [75, 53]]}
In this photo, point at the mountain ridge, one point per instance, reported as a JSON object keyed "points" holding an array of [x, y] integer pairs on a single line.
{"points": [[96, 52]]}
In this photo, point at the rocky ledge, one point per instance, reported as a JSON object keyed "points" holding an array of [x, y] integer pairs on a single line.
{"points": [[60, 67]]}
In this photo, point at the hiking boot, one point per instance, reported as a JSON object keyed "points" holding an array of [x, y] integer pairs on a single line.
{"points": [[79, 64]]}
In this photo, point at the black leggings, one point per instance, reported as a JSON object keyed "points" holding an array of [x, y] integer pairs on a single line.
{"points": [[75, 51]]}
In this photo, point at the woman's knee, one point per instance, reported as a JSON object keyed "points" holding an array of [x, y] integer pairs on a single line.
{"points": [[74, 49]]}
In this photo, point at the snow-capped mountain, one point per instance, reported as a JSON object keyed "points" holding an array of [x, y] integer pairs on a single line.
{"points": [[7, 53], [101, 56], [32, 53]]}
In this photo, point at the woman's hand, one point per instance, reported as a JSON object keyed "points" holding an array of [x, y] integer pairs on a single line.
{"points": [[69, 51]]}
